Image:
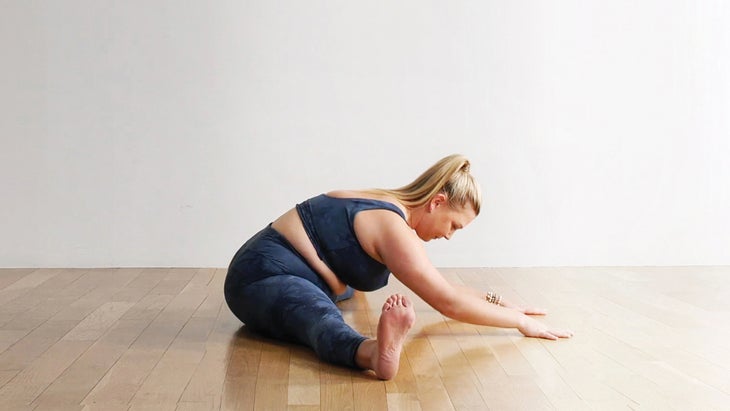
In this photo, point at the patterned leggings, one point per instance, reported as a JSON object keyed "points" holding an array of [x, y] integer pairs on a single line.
{"points": [[291, 308]]}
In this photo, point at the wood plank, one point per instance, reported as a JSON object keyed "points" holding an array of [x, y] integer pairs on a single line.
{"points": [[167, 381], [121, 383], [427, 372], [239, 386], [206, 383], [7, 375], [459, 379], [29, 383], [139, 338], [34, 344], [98, 322], [174, 281], [25, 284], [336, 392], [369, 395], [79, 379], [403, 401], [273, 377], [303, 385], [50, 298], [10, 337], [11, 275]]}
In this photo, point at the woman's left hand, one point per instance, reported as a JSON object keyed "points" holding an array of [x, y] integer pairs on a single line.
{"points": [[531, 310], [524, 309]]}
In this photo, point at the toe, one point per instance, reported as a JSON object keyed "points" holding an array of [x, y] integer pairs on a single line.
{"points": [[405, 301]]}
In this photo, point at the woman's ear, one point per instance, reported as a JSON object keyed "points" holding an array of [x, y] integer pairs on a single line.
{"points": [[437, 201]]}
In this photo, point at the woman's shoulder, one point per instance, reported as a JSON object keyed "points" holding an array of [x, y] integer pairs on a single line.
{"points": [[363, 194], [368, 195]]}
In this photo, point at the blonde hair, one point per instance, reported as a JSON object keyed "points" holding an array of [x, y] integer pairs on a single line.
{"points": [[449, 176]]}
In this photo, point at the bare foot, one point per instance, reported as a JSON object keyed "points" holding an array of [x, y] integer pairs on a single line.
{"points": [[396, 319]]}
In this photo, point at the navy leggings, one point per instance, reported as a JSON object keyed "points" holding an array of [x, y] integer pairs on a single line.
{"points": [[297, 308], [290, 308]]}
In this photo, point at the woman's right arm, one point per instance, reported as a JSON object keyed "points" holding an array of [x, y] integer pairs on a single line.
{"points": [[400, 249]]}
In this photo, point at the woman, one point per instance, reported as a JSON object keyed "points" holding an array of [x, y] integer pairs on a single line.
{"points": [[285, 280]]}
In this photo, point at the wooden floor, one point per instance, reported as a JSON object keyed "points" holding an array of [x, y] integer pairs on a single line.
{"points": [[162, 339]]}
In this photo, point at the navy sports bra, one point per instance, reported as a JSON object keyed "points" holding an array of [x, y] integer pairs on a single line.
{"points": [[328, 222]]}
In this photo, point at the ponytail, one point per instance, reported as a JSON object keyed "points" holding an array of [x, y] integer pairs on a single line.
{"points": [[449, 176]]}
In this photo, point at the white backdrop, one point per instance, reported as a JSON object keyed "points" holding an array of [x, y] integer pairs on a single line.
{"points": [[164, 133]]}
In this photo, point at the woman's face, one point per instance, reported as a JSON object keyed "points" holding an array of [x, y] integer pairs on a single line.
{"points": [[441, 220]]}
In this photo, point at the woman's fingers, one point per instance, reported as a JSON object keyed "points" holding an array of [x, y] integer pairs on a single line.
{"points": [[556, 334], [562, 333], [548, 335], [534, 328], [534, 311]]}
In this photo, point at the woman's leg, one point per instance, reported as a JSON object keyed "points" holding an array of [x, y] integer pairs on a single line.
{"points": [[290, 308], [382, 355]]}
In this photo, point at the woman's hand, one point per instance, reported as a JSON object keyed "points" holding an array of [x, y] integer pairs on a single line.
{"points": [[531, 310], [523, 309], [530, 327]]}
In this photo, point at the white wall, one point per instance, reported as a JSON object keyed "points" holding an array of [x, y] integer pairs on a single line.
{"points": [[164, 133]]}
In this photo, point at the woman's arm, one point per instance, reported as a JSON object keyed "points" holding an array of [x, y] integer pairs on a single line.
{"points": [[397, 246], [504, 302]]}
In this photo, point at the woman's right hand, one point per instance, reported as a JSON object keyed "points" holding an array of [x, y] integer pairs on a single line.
{"points": [[530, 327]]}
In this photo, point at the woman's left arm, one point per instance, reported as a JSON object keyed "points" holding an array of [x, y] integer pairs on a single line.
{"points": [[504, 302]]}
